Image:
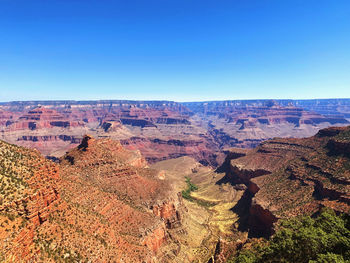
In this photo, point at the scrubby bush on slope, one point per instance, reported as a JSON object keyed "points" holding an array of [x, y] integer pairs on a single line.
{"points": [[323, 239]]}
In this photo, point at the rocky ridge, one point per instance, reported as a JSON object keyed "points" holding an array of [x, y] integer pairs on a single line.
{"points": [[101, 203], [289, 177], [104, 203], [162, 129]]}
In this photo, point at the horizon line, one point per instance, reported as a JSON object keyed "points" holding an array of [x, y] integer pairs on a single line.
{"points": [[162, 100]]}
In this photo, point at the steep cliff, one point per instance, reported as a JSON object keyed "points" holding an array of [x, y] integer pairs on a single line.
{"points": [[101, 203], [28, 194], [135, 207], [290, 177]]}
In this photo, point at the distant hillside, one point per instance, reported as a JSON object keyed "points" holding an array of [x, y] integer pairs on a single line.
{"points": [[163, 129]]}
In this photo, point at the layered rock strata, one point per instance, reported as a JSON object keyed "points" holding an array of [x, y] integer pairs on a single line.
{"points": [[101, 203], [247, 123], [160, 129], [164, 129], [290, 177]]}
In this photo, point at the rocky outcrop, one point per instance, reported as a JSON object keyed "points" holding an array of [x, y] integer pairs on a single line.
{"points": [[290, 177], [101, 203], [261, 219], [170, 211], [29, 193], [155, 239], [105, 165]]}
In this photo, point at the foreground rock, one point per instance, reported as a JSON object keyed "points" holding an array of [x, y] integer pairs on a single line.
{"points": [[103, 204], [115, 198], [29, 193], [290, 177]]}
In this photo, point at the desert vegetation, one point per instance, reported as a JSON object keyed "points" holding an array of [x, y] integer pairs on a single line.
{"points": [[190, 188], [13, 170], [325, 238]]}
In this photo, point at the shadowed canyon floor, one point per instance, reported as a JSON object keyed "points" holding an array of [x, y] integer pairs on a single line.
{"points": [[209, 217]]}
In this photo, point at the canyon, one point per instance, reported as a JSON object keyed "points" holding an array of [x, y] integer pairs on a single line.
{"points": [[105, 203], [162, 129], [285, 178], [246, 123], [165, 182]]}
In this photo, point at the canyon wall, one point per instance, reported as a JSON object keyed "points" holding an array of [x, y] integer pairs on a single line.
{"points": [[159, 129], [285, 178], [246, 123], [162, 129], [101, 203]]}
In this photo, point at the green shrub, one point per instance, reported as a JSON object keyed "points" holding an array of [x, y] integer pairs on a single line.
{"points": [[323, 239], [190, 188], [327, 258]]}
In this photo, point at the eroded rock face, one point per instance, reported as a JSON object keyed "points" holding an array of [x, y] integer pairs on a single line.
{"points": [[144, 207], [247, 123], [290, 177], [41, 118], [29, 193], [101, 203], [6, 118], [170, 212], [157, 150], [159, 129], [335, 108], [155, 239]]}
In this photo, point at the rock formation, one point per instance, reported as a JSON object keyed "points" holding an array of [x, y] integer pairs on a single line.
{"points": [[29, 194], [162, 129], [289, 177], [247, 123], [159, 129], [101, 203]]}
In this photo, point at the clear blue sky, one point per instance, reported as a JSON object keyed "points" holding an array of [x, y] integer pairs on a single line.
{"points": [[181, 50]]}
